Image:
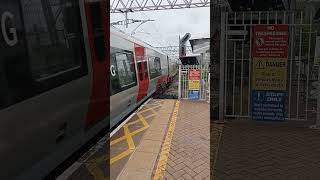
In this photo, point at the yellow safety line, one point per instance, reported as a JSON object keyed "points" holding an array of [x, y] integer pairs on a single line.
{"points": [[124, 137], [128, 137], [162, 163], [151, 115], [153, 111], [148, 109], [120, 156], [133, 122], [144, 122], [138, 130], [132, 133], [117, 140]]}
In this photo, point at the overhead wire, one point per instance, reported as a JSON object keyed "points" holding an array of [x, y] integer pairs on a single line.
{"points": [[155, 28]]}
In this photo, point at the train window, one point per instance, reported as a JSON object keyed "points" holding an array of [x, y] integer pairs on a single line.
{"points": [[146, 74], [125, 71], [122, 69], [42, 48], [53, 37], [140, 71], [155, 67]]}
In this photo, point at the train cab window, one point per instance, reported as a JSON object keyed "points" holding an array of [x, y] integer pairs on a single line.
{"points": [[43, 48], [155, 67]]}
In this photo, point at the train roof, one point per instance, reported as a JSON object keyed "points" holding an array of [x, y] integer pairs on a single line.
{"points": [[121, 33]]}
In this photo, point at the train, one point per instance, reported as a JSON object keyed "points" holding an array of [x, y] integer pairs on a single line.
{"points": [[66, 75], [137, 71]]}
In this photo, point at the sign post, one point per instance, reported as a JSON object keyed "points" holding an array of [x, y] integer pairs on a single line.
{"points": [[270, 66]]}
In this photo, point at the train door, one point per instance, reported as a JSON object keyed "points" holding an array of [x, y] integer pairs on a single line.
{"points": [[143, 74], [98, 40]]}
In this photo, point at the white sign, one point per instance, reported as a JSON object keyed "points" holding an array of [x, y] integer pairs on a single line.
{"points": [[4, 17], [317, 52]]}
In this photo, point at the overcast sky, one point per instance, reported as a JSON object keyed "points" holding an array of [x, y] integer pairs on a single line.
{"points": [[168, 25]]}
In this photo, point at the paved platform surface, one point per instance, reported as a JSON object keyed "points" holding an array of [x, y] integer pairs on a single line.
{"points": [[166, 138], [175, 146], [93, 165], [143, 158], [260, 150], [190, 146]]}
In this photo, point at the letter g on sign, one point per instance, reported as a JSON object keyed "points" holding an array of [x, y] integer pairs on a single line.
{"points": [[4, 17]]}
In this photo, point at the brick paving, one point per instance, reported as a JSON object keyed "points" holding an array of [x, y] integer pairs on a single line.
{"points": [[260, 150], [215, 137], [189, 152]]}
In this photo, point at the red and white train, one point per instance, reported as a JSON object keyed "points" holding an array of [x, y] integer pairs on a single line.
{"points": [[137, 71], [56, 84]]}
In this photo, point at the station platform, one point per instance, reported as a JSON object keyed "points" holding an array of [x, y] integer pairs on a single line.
{"points": [[247, 149], [165, 139], [175, 145]]}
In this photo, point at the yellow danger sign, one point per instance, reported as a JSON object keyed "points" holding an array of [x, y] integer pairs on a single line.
{"points": [[269, 73], [194, 84]]}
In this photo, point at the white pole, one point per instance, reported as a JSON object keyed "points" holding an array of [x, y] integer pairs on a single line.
{"points": [[179, 86], [209, 87]]}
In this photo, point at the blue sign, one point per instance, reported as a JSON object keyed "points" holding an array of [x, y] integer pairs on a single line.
{"points": [[269, 105], [193, 94]]}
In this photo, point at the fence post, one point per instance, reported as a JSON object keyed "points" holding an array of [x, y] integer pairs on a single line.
{"points": [[179, 83], [200, 90], [221, 73], [208, 88]]}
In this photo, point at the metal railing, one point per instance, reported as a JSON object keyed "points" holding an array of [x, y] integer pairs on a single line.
{"points": [[198, 89], [236, 55]]}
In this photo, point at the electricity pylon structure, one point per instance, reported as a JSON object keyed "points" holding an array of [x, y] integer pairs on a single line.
{"points": [[120, 6], [173, 51]]}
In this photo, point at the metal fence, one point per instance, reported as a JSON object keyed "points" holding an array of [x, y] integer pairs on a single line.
{"points": [[202, 91], [236, 61]]}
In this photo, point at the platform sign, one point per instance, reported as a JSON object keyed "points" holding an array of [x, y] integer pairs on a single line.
{"points": [[270, 67], [194, 79], [194, 84], [270, 41], [193, 94], [194, 74], [269, 74], [269, 105]]}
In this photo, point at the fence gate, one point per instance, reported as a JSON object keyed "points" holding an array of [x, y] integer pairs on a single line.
{"points": [[194, 82], [239, 32]]}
